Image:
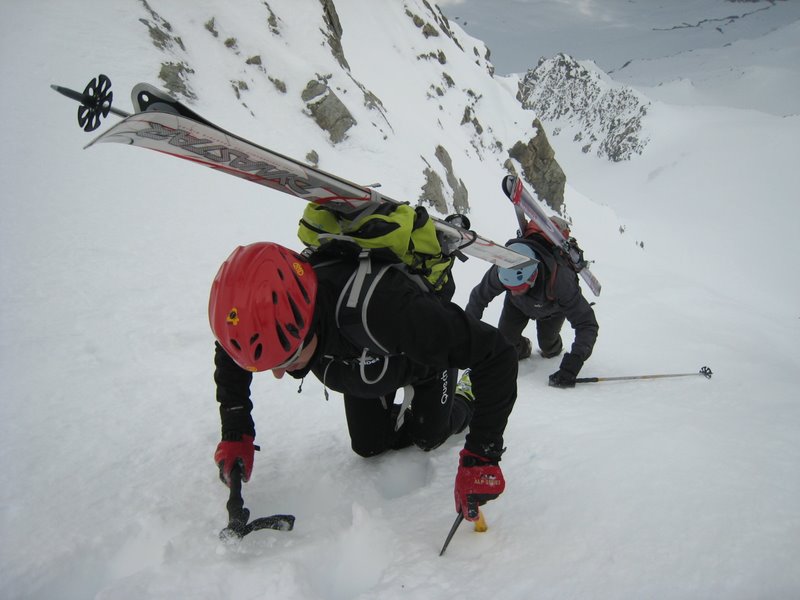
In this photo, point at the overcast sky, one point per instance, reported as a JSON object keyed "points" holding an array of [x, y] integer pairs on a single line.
{"points": [[610, 32]]}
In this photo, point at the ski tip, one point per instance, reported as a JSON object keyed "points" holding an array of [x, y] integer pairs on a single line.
{"points": [[512, 187]]}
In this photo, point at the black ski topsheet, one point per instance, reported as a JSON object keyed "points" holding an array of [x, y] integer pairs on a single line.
{"points": [[167, 126], [524, 201]]}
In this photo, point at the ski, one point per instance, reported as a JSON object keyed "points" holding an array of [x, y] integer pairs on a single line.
{"points": [[522, 220], [526, 205], [163, 124]]}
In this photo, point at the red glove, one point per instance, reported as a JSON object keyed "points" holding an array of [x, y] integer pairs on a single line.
{"points": [[478, 480], [235, 452]]}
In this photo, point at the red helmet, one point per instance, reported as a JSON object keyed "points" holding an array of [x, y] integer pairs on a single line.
{"points": [[262, 305]]}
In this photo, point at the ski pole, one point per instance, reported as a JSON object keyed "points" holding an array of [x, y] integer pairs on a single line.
{"points": [[704, 371], [86, 99], [95, 102], [238, 527]]}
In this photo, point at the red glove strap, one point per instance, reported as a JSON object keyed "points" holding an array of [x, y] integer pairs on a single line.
{"points": [[228, 454]]}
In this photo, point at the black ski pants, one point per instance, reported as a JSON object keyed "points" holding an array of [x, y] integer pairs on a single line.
{"points": [[513, 321], [433, 415]]}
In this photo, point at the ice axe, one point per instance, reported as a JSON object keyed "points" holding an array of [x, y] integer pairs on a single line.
{"points": [[480, 527], [238, 515]]}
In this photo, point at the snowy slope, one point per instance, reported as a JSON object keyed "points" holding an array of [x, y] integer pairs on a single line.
{"points": [[759, 74], [679, 488]]}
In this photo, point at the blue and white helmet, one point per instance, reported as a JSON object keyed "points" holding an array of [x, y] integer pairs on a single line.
{"points": [[519, 279]]}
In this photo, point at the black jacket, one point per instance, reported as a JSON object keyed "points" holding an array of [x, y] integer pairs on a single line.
{"points": [[424, 335], [556, 291]]}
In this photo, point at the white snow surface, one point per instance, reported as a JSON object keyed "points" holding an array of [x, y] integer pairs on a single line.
{"points": [[675, 488]]}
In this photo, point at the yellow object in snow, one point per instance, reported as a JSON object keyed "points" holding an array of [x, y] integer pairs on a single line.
{"points": [[480, 524]]}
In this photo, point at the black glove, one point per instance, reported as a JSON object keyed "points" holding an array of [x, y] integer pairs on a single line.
{"points": [[567, 373]]}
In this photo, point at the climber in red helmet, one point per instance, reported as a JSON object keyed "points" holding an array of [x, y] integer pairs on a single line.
{"points": [[272, 310]]}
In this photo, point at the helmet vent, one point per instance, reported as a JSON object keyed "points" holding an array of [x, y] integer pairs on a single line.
{"points": [[298, 316], [257, 353], [253, 339], [302, 289], [236, 345], [282, 338]]}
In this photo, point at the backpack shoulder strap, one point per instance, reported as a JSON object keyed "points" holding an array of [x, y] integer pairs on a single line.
{"points": [[353, 302], [551, 257]]}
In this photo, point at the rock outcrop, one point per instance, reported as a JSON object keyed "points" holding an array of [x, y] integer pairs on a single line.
{"points": [[540, 168], [607, 117], [329, 112]]}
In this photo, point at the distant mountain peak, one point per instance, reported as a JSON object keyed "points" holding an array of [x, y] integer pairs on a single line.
{"points": [[608, 117]]}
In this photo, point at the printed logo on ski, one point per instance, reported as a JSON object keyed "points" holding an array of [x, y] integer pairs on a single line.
{"points": [[220, 154]]}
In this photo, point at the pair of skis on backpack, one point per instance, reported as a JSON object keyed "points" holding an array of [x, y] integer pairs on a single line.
{"points": [[159, 122]]}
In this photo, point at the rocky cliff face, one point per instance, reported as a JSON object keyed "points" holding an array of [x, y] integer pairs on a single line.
{"points": [[540, 167], [303, 57], [605, 118]]}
